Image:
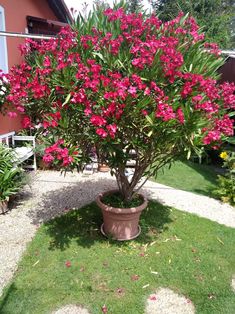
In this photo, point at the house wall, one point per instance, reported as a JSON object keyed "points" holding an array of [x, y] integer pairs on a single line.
{"points": [[228, 71], [15, 21]]}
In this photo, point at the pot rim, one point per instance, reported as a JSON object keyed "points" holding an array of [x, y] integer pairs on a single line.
{"points": [[118, 210]]}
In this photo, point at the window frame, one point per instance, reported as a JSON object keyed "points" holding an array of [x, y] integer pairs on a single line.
{"points": [[3, 39]]}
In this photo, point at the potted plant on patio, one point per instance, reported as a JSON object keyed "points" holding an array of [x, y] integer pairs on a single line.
{"points": [[11, 177], [122, 82]]}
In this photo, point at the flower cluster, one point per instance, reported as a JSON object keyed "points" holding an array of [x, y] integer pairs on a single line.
{"points": [[57, 152]]}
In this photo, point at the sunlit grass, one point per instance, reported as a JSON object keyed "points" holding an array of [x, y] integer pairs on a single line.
{"points": [[189, 176]]}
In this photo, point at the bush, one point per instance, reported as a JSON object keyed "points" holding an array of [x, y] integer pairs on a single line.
{"points": [[12, 178], [226, 183]]}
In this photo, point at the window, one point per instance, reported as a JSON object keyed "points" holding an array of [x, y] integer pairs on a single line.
{"points": [[3, 43]]}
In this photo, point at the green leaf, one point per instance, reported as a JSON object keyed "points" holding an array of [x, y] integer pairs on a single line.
{"points": [[67, 99], [98, 54], [149, 120], [231, 114], [231, 140]]}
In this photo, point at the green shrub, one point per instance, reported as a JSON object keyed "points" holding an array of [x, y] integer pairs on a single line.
{"points": [[12, 177], [226, 183]]}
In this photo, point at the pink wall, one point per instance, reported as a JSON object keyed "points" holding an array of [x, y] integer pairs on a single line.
{"points": [[15, 19]]}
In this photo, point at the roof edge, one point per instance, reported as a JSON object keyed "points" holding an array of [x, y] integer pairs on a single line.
{"points": [[61, 10]]}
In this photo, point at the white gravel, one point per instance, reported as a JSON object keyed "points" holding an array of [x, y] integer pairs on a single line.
{"points": [[166, 301], [200, 205], [52, 194], [71, 309], [233, 283]]}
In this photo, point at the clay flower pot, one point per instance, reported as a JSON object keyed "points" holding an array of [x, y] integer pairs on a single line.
{"points": [[120, 223], [103, 168], [42, 165]]}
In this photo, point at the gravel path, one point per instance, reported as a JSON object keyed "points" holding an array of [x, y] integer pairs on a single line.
{"points": [[52, 194], [200, 205]]}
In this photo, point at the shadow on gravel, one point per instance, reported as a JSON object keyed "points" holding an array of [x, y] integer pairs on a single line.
{"points": [[58, 202]]}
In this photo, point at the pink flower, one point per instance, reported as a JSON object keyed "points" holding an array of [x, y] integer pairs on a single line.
{"points": [[135, 277], [68, 264], [45, 124], [165, 112], [112, 128], [147, 91], [47, 62], [224, 125], [197, 98], [97, 120], [26, 122], [101, 132], [212, 136], [60, 142], [48, 158], [104, 309], [132, 90], [12, 114], [64, 152], [20, 108], [67, 161], [180, 115]]}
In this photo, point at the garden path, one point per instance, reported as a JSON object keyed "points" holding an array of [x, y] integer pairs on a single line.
{"points": [[52, 194]]}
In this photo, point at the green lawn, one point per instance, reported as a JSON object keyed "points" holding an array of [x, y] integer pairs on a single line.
{"points": [[192, 256], [189, 176]]}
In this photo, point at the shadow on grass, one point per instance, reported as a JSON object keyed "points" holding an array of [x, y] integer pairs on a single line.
{"points": [[8, 291], [83, 226]]}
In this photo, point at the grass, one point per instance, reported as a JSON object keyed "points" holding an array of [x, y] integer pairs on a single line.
{"points": [[189, 176], [192, 256]]}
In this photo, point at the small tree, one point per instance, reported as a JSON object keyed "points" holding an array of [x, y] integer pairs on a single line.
{"points": [[215, 16], [118, 82], [134, 6]]}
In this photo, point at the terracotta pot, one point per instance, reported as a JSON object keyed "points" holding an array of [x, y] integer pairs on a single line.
{"points": [[120, 223], [103, 168], [42, 165], [3, 207]]}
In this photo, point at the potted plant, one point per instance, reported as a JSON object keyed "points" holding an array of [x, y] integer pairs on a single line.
{"points": [[124, 83], [11, 177]]}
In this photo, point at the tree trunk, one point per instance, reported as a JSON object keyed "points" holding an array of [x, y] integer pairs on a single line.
{"points": [[126, 188]]}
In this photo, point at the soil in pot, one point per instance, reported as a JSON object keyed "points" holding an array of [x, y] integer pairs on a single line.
{"points": [[116, 200], [121, 219]]}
